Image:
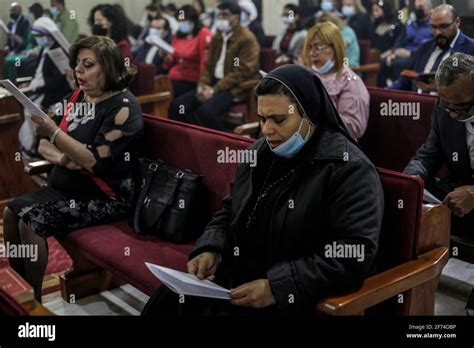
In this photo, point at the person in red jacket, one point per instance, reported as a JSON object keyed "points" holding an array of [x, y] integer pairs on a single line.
{"points": [[191, 44]]}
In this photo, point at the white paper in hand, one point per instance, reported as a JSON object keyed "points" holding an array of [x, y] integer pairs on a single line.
{"points": [[188, 284], [61, 39], [60, 59], [430, 198], [158, 41], [4, 27], [23, 99]]}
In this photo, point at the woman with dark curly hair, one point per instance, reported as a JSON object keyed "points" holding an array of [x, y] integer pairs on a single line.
{"points": [[93, 146], [108, 20]]}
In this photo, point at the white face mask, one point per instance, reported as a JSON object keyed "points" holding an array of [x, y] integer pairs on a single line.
{"points": [[223, 25], [155, 32]]}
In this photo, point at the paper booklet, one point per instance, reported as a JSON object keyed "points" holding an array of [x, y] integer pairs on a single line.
{"points": [[4, 27], [60, 59], [61, 39], [188, 284], [31, 107], [430, 198], [158, 41]]}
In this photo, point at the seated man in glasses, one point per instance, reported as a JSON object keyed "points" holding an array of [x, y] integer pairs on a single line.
{"points": [[451, 143], [447, 38]]}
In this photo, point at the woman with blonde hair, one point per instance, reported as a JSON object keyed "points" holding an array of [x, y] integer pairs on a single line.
{"points": [[351, 43], [323, 52]]}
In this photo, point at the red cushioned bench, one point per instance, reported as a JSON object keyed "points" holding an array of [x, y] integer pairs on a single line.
{"points": [[415, 242], [123, 253]]}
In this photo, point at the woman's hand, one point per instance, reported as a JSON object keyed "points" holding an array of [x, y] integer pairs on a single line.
{"points": [[256, 294], [44, 126], [204, 265], [65, 161]]}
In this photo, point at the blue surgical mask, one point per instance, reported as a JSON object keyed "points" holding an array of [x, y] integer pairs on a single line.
{"points": [[467, 120], [326, 6], [54, 11], [292, 145], [155, 32], [42, 41], [348, 11], [185, 27], [287, 20], [223, 25], [244, 19], [325, 68]]}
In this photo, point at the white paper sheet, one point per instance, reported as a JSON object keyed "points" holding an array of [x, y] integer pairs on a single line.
{"points": [[23, 99], [60, 59], [263, 73], [430, 198], [188, 284], [158, 41], [61, 39], [4, 27]]}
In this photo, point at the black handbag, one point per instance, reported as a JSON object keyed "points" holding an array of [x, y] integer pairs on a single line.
{"points": [[170, 202]]}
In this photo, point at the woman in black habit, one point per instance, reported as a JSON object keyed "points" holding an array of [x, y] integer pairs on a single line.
{"points": [[277, 241]]}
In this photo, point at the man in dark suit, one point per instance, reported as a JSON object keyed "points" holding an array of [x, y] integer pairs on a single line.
{"points": [[19, 28], [451, 143], [447, 39]]}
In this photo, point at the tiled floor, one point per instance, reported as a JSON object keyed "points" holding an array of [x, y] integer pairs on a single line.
{"points": [[455, 286]]}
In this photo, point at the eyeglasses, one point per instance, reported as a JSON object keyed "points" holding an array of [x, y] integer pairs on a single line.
{"points": [[458, 110], [318, 48], [441, 26]]}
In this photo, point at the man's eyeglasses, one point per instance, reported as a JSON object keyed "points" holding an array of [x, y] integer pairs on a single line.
{"points": [[457, 110], [443, 26]]}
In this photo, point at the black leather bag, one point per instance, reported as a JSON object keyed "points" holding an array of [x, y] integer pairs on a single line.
{"points": [[170, 203]]}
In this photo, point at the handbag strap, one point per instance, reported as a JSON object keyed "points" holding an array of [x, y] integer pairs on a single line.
{"points": [[151, 172], [176, 183]]}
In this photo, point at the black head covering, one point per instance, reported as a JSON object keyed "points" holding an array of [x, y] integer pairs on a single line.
{"points": [[311, 95]]}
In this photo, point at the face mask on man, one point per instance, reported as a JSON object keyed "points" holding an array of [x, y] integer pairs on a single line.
{"points": [[223, 25], [14, 16], [420, 14], [99, 30], [293, 144], [288, 20], [54, 11], [155, 32]]}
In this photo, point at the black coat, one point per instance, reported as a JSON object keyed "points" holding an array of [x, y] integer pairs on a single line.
{"points": [[22, 30], [337, 197], [446, 145]]}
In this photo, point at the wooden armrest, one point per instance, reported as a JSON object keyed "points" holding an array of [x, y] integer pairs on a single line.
{"points": [[250, 84], [10, 118], [38, 167], [372, 67], [152, 98], [246, 129], [385, 285]]}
